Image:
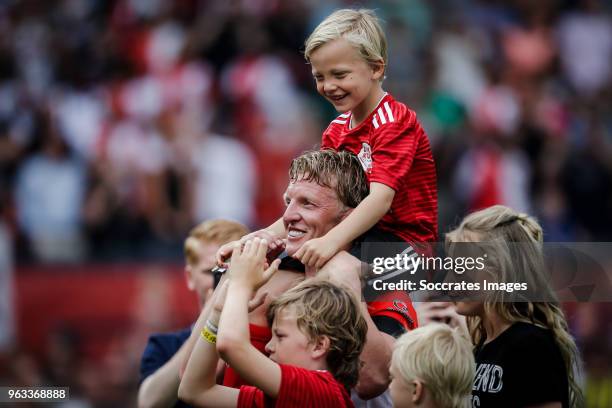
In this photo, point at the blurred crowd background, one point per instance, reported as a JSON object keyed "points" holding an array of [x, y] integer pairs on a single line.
{"points": [[124, 123]]}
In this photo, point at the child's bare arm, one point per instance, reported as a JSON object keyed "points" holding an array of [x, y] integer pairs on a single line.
{"points": [[318, 251], [246, 275], [198, 385]]}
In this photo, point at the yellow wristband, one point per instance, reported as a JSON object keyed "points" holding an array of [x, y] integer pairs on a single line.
{"points": [[209, 336]]}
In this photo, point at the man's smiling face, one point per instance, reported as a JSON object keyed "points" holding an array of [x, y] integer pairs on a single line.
{"points": [[312, 210]]}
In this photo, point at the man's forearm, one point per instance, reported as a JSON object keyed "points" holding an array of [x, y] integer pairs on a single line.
{"points": [[199, 376], [160, 389], [376, 356], [191, 341]]}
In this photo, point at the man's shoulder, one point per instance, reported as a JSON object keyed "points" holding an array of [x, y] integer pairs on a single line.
{"points": [[282, 280], [159, 349], [170, 340]]}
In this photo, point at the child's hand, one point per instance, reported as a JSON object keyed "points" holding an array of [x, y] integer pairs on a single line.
{"points": [[225, 251], [275, 245], [219, 300], [249, 265], [317, 252]]}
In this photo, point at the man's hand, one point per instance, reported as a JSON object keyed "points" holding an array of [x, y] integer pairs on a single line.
{"points": [[317, 251], [248, 265], [276, 245], [440, 312]]}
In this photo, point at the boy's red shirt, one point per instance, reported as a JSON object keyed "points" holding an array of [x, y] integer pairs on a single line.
{"points": [[260, 336], [394, 150], [396, 305], [299, 388]]}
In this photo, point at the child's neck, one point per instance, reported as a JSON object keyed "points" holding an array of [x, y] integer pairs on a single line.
{"points": [[316, 365], [363, 110]]}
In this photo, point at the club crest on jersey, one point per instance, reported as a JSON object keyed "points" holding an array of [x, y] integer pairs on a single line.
{"points": [[365, 157]]}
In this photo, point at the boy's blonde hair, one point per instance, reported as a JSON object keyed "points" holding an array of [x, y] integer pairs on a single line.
{"points": [[441, 358], [361, 28], [214, 232], [322, 308], [513, 242]]}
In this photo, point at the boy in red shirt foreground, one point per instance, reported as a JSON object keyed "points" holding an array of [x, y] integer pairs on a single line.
{"points": [[318, 333]]}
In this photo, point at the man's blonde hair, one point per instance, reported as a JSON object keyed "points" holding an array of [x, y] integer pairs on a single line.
{"points": [[361, 28], [211, 232], [441, 358], [322, 308], [340, 171]]}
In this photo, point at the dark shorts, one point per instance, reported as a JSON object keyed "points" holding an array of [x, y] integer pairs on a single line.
{"points": [[366, 253]]}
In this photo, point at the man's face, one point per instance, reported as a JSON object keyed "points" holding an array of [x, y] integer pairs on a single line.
{"points": [[199, 275], [312, 210]]}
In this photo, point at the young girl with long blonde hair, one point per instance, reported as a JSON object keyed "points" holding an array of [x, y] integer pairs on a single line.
{"points": [[525, 355]]}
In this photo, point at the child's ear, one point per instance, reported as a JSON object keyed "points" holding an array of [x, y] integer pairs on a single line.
{"points": [[378, 69], [321, 347], [418, 391], [188, 279]]}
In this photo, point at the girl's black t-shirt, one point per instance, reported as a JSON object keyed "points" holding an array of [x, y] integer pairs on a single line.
{"points": [[523, 366]]}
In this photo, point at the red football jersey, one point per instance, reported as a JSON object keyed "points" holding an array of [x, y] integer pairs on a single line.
{"points": [[394, 150], [299, 388]]}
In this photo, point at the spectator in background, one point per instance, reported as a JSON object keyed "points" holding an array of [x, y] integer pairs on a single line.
{"points": [[164, 353], [585, 41], [49, 192], [7, 313], [224, 177]]}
